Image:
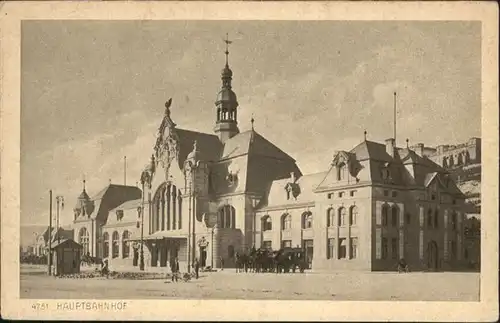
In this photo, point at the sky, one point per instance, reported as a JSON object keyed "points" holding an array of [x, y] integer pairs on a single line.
{"points": [[93, 92]]}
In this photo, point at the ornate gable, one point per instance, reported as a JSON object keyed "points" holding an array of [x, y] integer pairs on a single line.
{"points": [[167, 141], [349, 160]]}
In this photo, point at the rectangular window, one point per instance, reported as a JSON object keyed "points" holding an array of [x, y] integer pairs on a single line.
{"points": [[342, 248], [394, 193], [408, 218], [384, 248], [330, 196], [286, 244], [267, 244], [341, 194], [354, 248], [330, 250], [353, 192], [386, 193], [394, 248]]}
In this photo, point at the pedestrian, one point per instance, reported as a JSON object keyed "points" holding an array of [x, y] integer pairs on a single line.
{"points": [[174, 267], [221, 263], [196, 266]]}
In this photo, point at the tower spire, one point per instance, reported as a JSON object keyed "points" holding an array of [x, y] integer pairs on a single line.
{"points": [[226, 123], [227, 41]]}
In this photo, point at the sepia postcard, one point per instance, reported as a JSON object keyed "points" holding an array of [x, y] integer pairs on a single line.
{"points": [[249, 161]]}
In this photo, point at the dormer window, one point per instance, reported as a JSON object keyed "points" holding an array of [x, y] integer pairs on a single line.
{"points": [[341, 172], [292, 190], [385, 173], [231, 179], [119, 215]]}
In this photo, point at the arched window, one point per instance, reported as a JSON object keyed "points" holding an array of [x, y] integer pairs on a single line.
{"points": [[353, 215], [125, 244], [467, 157], [267, 224], [330, 217], [286, 221], [341, 172], [227, 217], [116, 244], [451, 161], [341, 218], [307, 220], [460, 159], [83, 239], [105, 245], [395, 216], [385, 215], [436, 218]]}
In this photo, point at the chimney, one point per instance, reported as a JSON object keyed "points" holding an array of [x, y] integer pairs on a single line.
{"points": [[390, 146], [419, 149], [292, 177]]}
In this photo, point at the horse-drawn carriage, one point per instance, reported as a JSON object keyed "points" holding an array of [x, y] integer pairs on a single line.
{"points": [[293, 259], [267, 260]]}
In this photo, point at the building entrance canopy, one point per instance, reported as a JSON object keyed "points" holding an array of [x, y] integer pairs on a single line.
{"points": [[161, 235]]}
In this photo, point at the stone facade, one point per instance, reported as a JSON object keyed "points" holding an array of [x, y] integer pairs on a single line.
{"points": [[209, 196]]}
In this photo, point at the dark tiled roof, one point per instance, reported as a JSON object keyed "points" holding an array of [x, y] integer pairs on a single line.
{"points": [[208, 145], [132, 204], [69, 242], [371, 150], [112, 196], [251, 142], [307, 184]]}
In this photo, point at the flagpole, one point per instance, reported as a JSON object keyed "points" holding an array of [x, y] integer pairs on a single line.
{"points": [[394, 117], [50, 234]]}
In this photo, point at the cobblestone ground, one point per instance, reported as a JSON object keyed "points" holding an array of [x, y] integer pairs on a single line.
{"points": [[229, 285]]}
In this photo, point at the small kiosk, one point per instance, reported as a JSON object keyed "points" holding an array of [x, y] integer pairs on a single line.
{"points": [[66, 257]]}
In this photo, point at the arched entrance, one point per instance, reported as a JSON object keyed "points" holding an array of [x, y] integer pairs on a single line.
{"points": [[432, 256]]}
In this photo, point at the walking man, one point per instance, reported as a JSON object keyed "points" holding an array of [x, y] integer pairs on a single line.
{"points": [[174, 266], [196, 266]]}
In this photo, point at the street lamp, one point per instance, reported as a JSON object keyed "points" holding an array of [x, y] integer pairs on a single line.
{"points": [[211, 223], [146, 178], [59, 200], [190, 170], [141, 214]]}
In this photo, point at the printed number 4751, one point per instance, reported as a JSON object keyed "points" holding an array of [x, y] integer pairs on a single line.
{"points": [[40, 306]]}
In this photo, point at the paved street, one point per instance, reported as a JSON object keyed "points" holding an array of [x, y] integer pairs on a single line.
{"points": [[229, 285]]}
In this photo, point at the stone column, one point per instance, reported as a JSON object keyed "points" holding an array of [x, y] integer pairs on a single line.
{"points": [[378, 230], [348, 238], [401, 231], [459, 235], [421, 233], [445, 235], [216, 248]]}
